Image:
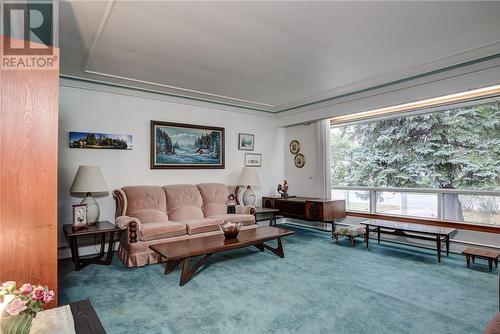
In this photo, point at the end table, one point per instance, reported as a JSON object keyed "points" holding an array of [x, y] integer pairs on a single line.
{"points": [[270, 214], [100, 228]]}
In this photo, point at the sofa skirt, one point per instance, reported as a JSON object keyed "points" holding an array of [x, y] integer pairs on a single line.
{"points": [[138, 259]]}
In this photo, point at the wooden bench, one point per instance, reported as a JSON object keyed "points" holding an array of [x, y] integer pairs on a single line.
{"points": [[490, 255]]}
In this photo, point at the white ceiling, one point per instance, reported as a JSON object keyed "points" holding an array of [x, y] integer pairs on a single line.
{"points": [[270, 56]]}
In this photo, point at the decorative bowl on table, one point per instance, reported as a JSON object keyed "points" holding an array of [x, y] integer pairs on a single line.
{"points": [[230, 230]]}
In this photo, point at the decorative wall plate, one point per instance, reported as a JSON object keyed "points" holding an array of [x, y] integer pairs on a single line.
{"points": [[294, 146], [300, 160]]}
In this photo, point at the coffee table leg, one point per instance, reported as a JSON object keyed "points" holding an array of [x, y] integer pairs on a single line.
{"points": [[260, 246], [378, 234], [448, 246], [171, 265], [438, 246], [367, 235], [187, 273], [490, 264], [278, 250], [467, 258]]}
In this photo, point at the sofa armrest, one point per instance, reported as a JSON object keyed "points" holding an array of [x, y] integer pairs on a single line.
{"points": [[245, 209], [121, 202], [131, 224]]}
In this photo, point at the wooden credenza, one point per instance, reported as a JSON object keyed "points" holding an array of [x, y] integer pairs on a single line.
{"points": [[322, 210]]}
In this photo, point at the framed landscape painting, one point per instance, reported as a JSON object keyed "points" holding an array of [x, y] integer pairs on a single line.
{"points": [[246, 141], [100, 141], [253, 159], [180, 146]]}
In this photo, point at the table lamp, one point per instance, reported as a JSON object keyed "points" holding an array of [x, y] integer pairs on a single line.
{"points": [[88, 180], [249, 178]]}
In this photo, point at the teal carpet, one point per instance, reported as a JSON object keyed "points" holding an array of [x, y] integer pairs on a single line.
{"points": [[319, 287]]}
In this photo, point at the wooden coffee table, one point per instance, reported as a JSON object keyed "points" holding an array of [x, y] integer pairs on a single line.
{"points": [[181, 251], [410, 230]]}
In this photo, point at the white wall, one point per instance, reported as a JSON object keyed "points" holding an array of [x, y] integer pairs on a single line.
{"points": [[97, 108], [301, 180]]}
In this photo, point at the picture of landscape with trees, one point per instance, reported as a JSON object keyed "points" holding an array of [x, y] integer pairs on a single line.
{"points": [[186, 146], [100, 141], [458, 148]]}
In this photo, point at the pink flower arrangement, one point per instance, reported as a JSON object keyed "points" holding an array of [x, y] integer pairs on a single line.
{"points": [[8, 286], [48, 296], [26, 288], [38, 293], [16, 306], [28, 299]]}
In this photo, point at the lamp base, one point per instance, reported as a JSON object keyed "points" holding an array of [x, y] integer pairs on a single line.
{"points": [[92, 209], [249, 197]]}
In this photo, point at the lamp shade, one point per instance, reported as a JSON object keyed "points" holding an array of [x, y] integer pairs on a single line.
{"points": [[88, 179], [249, 177]]}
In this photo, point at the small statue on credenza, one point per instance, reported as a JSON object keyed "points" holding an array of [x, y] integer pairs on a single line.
{"points": [[283, 189]]}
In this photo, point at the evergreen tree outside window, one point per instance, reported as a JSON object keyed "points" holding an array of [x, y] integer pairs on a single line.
{"points": [[458, 148]]}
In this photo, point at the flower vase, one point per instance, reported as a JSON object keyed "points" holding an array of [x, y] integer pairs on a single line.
{"points": [[19, 324]]}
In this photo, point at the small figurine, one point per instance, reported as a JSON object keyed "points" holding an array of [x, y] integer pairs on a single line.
{"points": [[231, 204], [283, 189]]}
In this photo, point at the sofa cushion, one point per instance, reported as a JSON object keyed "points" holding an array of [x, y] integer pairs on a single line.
{"points": [[214, 198], [145, 197], [184, 202], [160, 230], [147, 216], [237, 218], [196, 226]]}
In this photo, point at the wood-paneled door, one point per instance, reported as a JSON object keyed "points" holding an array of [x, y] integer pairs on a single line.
{"points": [[28, 175]]}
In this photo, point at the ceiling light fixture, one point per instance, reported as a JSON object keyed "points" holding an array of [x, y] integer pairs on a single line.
{"points": [[412, 106]]}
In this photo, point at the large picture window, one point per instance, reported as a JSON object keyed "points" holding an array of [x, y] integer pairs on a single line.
{"points": [[443, 164]]}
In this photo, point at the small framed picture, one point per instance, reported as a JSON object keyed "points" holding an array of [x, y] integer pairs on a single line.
{"points": [[79, 216], [246, 142], [253, 159]]}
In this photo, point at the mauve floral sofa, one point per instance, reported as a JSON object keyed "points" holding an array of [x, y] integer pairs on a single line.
{"points": [[154, 215]]}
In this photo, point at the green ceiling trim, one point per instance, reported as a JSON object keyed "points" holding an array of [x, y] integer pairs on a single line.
{"points": [[414, 77]]}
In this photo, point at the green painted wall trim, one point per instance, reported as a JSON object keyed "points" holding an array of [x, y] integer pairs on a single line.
{"points": [[414, 77]]}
